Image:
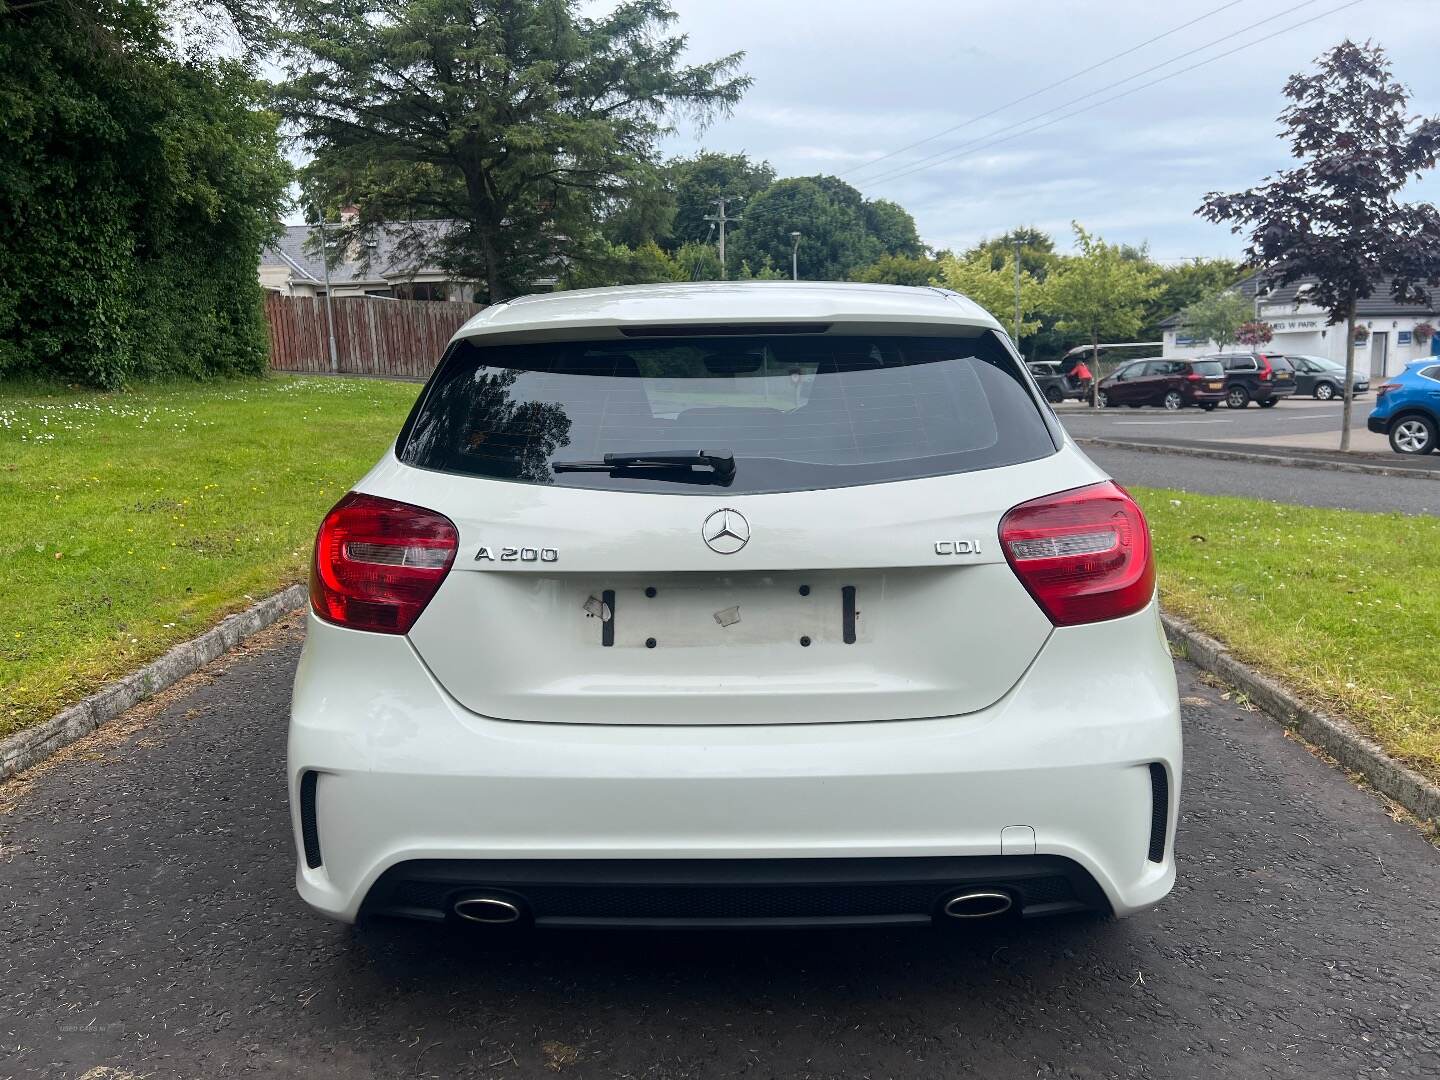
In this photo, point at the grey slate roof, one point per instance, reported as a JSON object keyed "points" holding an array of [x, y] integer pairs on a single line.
{"points": [[1379, 303], [293, 251]]}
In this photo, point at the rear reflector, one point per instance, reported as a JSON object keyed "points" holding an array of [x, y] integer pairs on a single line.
{"points": [[309, 824], [1159, 811], [378, 562], [1084, 555]]}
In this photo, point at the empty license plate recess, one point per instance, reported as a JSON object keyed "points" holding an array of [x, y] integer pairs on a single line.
{"points": [[699, 610]]}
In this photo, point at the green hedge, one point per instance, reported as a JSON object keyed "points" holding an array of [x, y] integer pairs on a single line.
{"points": [[136, 188]]}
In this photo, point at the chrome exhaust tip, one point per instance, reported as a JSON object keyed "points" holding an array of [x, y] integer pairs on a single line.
{"points": [[978, 904], [491, 910]]}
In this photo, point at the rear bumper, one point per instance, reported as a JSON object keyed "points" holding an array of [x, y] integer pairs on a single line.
{"points": [[1061, 766], [1266, 391], [732, 893], [1380, 425], [1205, 397]]}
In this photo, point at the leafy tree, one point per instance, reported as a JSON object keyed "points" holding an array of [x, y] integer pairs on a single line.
{"points": [[993, 288], [767, 271], [644, 215], [1335, 217], [1098, 292], [836, 224], [696, 182], [137, 185], [698, 262], [617, 264], [1180, 286], [1037, 250], [522, 119], [899, 270], [1218, 317], [892, 225]]}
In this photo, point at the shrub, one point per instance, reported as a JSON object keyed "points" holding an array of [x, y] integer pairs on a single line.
{"points": [[136, 189]]}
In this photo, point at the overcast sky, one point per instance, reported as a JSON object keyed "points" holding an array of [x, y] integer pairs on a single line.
{"points": [[838, 83]]}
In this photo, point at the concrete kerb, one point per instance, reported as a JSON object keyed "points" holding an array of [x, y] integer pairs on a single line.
{"points": [[1260, 459], [33, 745], [1354, 751]]}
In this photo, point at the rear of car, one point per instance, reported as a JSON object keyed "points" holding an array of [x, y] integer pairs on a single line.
{"points": [[1264, 378], [1202, 382], [720, 605], [1058, 384], [1407, 408]]}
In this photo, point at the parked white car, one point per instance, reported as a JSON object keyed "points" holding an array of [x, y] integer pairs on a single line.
{"points": [[733, 604]]}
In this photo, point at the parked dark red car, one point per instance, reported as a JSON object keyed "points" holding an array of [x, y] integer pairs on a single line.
{"points": [[1172, 384]]}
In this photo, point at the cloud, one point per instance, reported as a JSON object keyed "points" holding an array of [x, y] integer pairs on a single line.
{"points": [[839, 83]]}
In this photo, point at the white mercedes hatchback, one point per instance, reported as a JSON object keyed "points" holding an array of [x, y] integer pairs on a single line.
{"points": [[733, 605]]}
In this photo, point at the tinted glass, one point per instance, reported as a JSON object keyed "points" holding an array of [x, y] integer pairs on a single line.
{"points": [[1210, 369], [1240, 363], [797, 412], [1280, 363]]}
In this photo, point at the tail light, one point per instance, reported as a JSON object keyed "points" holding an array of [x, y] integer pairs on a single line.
{"points": [[1385, 388], [1266, 371], [1192, 377], [1084, 555], [378, 562]]}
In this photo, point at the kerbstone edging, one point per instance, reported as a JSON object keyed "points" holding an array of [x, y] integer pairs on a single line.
{"points": [[1354, 751], [1260, 459], [33, 745]]}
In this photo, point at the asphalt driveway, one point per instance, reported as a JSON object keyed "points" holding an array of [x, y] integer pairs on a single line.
{"points": [[150, 928]]}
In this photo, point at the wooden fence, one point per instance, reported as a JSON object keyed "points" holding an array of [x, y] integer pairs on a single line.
{"points": [[372, 336]]}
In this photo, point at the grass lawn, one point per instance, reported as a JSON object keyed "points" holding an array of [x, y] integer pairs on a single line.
{"points": [[1343, 607], [136, 520]]}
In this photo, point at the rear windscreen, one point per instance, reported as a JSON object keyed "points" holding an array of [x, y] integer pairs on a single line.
{"points": [[796, 412]]}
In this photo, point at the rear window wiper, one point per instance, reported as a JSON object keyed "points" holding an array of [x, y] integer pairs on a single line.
{"points": [[720, 462]]}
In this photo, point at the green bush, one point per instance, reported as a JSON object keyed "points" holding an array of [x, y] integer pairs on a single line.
{"points": [[136, 189]]}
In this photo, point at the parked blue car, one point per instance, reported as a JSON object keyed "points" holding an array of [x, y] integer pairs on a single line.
{"points": [[1407, 408]]}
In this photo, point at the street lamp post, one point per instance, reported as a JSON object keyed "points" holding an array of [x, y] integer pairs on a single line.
{"points": [[795, 257], [329, 311]]}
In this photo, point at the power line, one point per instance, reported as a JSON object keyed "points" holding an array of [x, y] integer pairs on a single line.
{"points": [[1045, 89], [985, 142], [945, 154]]}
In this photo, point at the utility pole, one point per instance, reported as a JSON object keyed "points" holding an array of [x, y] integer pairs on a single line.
{"points": [[329, 311], [722, 220], [795, 257], [1017, 296]]}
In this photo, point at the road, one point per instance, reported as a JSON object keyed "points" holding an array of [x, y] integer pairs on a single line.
{"points": [[1273, 483], [151, 928], [1304, 419]]}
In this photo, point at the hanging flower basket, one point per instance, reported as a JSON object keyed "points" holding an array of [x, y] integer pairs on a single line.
{"points": [[1423, 332], [1362, 333], [1255, 333]]}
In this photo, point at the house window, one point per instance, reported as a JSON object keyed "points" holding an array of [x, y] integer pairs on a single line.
{"points": [[423, 290], [1404, 337]]}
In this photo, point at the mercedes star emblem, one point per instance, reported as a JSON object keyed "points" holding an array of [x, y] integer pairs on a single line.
{"points": [[725, 531]]}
